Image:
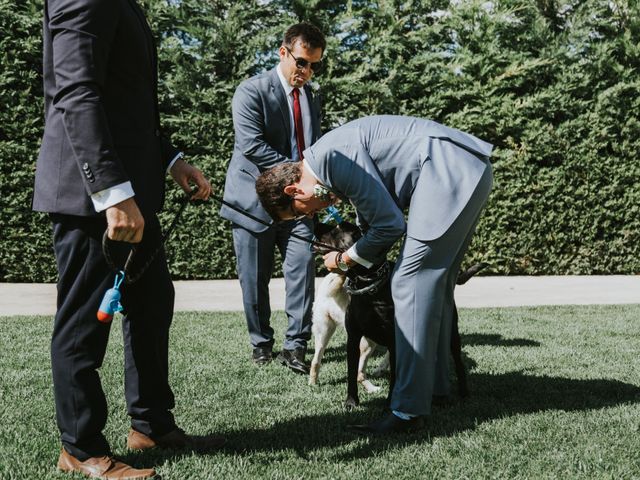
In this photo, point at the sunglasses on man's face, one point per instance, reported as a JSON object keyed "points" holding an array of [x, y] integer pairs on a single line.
{"points": [[301, 63]]}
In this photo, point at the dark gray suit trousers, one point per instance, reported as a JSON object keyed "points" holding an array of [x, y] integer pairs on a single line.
{"points": [[255, 261], [423, 285]]}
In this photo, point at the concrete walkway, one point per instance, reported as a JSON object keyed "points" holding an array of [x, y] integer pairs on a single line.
{"points": [[225, 295]]}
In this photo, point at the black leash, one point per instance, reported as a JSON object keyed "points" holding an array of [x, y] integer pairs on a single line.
{"points": [[130, 277], [267, 224]]}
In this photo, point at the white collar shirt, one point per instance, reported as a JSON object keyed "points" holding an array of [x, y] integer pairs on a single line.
{"points": [[305, 111]]}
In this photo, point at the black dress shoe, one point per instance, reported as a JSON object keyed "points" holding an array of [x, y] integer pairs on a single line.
{"points": [[294, 359], [389, 424], [442, 401], [262, 355]]}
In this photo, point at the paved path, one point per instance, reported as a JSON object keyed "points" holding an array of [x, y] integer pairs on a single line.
{"points": [[224, 295]]}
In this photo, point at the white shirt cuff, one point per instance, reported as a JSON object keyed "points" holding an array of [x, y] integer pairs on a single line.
{"points": [[110, 196], [356, 258], [175, 159]]}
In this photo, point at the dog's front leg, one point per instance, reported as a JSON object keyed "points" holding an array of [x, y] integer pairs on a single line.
{"points": [[353, 350], [323, 329], [367, 347]]}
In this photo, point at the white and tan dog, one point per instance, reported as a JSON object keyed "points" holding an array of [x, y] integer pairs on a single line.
{"points": [[328, 313]]}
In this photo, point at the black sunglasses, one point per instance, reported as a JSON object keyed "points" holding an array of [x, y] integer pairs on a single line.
{"points": [[302, 63]]}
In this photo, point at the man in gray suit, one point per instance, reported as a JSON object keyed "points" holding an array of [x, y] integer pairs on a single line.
{"points": [[384, 165], [275, 115]]}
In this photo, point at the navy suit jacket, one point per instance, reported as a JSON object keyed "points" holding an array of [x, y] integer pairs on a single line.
{"points": [[102, 124], [262, 140]]}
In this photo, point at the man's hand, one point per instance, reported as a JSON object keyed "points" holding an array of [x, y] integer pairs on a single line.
{"points": [[185, 174], [331, 261], [125, 222]]}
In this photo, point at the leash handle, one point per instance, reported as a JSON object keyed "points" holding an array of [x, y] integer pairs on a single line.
{"points": [[129, 277]]}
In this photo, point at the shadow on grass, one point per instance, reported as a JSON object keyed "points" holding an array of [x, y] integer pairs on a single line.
{"points": [[338, 352], [494, 397], [477, 339]]}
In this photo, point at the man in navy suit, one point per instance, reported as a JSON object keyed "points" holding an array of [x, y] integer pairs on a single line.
{"points": [[102, 165], [384, 165], [276, 115]]}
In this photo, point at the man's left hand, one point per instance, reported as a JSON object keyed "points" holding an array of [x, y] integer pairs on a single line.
{"points": [[331, 261], [185, 175]]}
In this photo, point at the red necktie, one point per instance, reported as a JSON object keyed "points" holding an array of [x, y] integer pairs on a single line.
{"points": [[297, 120]]}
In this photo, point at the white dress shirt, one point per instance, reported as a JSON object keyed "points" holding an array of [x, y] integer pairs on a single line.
{"points": [[304, 109], [119, 193]]}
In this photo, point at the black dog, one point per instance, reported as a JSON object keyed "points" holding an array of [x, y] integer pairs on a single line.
{"points": [[370, 312]]}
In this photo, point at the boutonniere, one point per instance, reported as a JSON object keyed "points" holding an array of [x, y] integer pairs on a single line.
{"points": [[315, 88]]}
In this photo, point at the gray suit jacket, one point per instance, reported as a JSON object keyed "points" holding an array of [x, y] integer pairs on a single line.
{"points": [[385, 164], [262, 140], [102, 125]]}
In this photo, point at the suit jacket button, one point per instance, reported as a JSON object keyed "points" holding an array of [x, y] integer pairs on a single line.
{"points": [[157, 132]]}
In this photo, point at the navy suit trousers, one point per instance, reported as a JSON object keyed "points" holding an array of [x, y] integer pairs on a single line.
{"points": [[79, 340]]}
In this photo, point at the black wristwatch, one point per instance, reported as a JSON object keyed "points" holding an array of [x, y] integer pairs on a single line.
{"points": [[341, 265]]}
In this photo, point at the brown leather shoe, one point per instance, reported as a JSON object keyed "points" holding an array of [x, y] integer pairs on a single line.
{"points": [[176, 439], [102, 467]]}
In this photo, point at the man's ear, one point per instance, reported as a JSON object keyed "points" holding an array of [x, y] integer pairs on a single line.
{"points": [[291, 190]]}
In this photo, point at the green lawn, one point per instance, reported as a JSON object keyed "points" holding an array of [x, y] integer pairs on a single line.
{"points": [[555, 394]]}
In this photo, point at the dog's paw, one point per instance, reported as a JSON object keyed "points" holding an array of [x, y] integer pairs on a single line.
{"points": [[370, 387], [350, 403]]}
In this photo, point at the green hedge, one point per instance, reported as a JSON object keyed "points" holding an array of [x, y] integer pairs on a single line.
{"points": [[554, 85]]}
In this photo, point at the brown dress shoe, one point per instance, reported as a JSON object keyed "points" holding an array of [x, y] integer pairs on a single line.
{"points": [[102, 467], [176, 439]]}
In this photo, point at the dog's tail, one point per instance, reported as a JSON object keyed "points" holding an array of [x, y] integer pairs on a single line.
{"points": [[463, 277]]}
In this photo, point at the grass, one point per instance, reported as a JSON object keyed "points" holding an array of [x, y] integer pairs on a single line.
{"points": [[555, 394]]}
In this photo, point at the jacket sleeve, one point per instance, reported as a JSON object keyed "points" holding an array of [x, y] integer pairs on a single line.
{"points": [[354, 176], [249, 126], [82, 32], [169, 152]]}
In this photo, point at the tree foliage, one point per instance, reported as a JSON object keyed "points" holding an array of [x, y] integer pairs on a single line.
{"points": [[553, 84]]}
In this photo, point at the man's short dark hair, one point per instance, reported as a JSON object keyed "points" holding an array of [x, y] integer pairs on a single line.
{"points": [[308, 34], [270, 187]]}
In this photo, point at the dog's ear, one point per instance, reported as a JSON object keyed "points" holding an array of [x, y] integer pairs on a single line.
{"points": [[351, 229], [321, 229]]}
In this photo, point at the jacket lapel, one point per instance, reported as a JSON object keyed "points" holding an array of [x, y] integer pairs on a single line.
{"points": [[314, 106], [278, 96]]}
